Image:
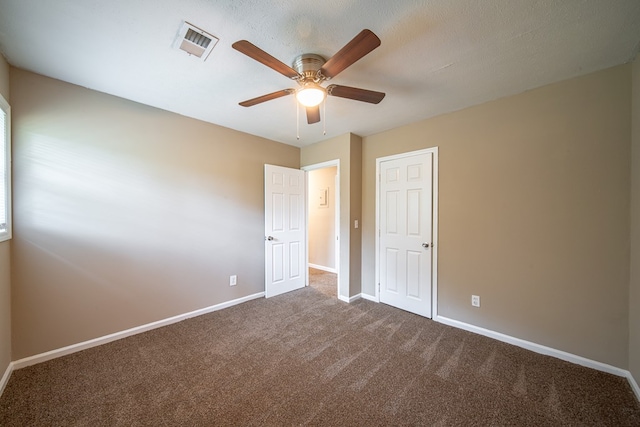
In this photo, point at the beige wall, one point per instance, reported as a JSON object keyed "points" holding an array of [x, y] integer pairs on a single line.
{"points": [[4, 78], [634, 291], [126, 214], [534, 213], [348, 150], [355, 213], [322, 217], [5, 260]]}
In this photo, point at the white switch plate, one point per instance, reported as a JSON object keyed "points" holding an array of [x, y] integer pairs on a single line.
{"points": [[475, 300], [355, 224], [233, 280]]}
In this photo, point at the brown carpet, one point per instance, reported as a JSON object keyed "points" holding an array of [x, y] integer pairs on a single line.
{"points": [[304, 358], [323, 281]]}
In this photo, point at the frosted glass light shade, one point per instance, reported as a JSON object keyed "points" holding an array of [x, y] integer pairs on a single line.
{"points": [[311, 95]]}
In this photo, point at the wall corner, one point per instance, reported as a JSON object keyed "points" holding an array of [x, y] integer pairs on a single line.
{"points": [[634, 273]]}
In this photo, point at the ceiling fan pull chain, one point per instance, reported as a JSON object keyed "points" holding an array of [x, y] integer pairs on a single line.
{"points": [[324, 113], [297, 119]]}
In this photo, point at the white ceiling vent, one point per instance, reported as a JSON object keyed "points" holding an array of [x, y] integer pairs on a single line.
{"points": [[194, 41]]}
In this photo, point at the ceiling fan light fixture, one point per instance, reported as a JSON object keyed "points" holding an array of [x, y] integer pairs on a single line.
{"points": [[311, 95]]}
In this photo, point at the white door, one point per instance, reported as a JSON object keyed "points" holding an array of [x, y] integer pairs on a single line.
{"points": [[405, 215], [284, 229]]}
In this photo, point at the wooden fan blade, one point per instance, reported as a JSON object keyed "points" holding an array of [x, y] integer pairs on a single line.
{"points": [[361, 45], [267, 97], [313, 114], [254, 52], [363, 95]]}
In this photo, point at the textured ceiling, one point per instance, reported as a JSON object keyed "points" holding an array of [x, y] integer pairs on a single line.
{"points": [[436, 56]]}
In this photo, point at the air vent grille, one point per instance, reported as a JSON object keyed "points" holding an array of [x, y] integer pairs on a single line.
{"points": [[197, 38], [194, 41]]}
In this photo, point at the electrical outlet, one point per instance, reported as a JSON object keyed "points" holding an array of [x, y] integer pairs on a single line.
{"points": [[233, 280], [475, 300]]}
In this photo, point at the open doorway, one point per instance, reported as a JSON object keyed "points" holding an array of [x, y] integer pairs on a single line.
{"points": [[323, 225]]}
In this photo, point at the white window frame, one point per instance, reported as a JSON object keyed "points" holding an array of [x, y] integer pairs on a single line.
{"points": [[5, 144]]}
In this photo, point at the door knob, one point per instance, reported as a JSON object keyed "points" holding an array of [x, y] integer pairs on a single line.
{"points": [[269, 238], [425, 245]]}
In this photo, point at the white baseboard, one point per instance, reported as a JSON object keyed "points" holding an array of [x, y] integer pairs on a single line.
{"points": [[350, 299], [634, 385], [369, 297], [5, 377], [323, 268], [43, 357], [579, 360]]}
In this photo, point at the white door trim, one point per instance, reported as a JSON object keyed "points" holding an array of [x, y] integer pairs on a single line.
{"points": [[434, 270], [307, 169]]}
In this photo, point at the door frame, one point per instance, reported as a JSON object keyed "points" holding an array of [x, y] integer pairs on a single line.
{"points": [[307, 169], [434, 225]]}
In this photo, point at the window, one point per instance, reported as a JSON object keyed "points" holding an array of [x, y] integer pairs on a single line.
{"points": [[5, 170]]}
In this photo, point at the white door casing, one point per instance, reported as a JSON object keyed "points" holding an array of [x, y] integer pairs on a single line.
{"points": [[284, 229], [341, 281], [405, 231]]}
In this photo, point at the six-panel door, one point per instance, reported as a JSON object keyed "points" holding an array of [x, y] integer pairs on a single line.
{"points": [[405, 233], [285, 230]]}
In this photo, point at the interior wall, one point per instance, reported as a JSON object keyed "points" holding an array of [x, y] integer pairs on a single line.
{"points": [[345, 149], [322, 217], [126, 214], [634, 290], [355, 214], [5, 260], [533, 213]]}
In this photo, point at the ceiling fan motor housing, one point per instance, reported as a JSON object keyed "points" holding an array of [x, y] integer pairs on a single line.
{"points": [[308, 66]]}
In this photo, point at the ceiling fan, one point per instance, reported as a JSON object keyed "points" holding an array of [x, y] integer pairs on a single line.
{"points": [[310, 70]]}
